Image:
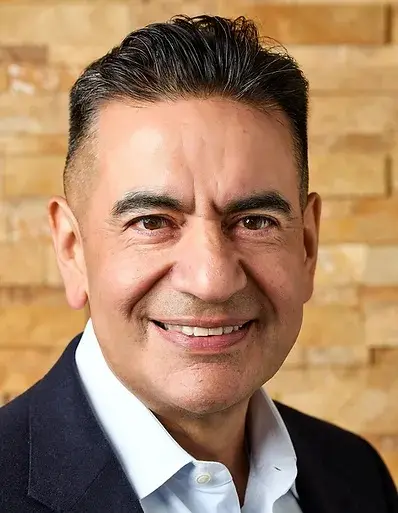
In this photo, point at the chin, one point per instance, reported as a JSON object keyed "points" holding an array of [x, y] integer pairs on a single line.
{"points": [[203, 400], [205, 406]]}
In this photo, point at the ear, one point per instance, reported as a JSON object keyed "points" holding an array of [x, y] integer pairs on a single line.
{"points": [[68, 247], [311, 221]]}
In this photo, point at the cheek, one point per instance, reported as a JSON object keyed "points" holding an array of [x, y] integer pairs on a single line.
{"points": [[125, 274], [280, 275]]}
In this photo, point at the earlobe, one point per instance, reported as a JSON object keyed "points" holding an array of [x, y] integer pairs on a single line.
{"points": [[68, 248]]}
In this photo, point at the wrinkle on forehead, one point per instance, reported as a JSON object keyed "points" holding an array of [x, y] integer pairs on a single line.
{"points": [[197, 147]]}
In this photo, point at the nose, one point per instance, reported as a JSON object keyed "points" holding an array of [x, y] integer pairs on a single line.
{"points": [[207, 265]]}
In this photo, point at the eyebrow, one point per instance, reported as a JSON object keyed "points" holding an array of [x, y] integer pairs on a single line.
{"points": [[144, 200], [147, 200], [267, 200]]}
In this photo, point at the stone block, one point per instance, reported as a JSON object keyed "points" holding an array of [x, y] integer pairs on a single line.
{"points": [[349, 264], [33, 79], [63, 23], [11, 54], [347, 68], [3, 79], [328, 2], [317, 391], [331, 326], [337, 117], [362, 220], [367, 144], [329, 295], [296, 357], [348, 174], [385, 356], [33, 176], [338, 356], [341, 265], [21, 368], [38, 114], [22, 263], [313, 23], [34, 144], [150, 11], [381, 266], [40, 319], [380, 311], [3, 222], [1, 177], [394, 22], [394, 168], [27, 220], [362, 400], [373, 409], [375, 295], [77, 56]]}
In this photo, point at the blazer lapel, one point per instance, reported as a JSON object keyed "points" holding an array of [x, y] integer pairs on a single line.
{"points": [[72, 465], [73, 468], [314, 494], [110, 491], [319, 488]]}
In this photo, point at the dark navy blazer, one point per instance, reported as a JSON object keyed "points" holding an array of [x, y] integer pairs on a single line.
{"points": [[55, 457]]}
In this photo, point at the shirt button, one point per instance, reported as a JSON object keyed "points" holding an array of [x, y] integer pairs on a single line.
{"points": [[203, 478]]}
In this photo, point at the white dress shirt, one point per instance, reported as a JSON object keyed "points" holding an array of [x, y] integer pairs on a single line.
{"points": [[164, 476]]}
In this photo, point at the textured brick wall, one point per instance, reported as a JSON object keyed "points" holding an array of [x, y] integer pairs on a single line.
{"points": [[345, 365]]}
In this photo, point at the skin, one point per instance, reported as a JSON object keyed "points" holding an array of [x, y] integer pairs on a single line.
{"points": [[201, 262]]}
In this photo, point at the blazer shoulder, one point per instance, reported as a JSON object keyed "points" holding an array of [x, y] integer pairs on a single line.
{"points": [[14, 450], [17, 410], [346, 454], [14, 427], [15, 414], [329, 437], [310, 427], [15, 442]]}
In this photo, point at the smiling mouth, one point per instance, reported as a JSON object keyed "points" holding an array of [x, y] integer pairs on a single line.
{"points": [[200, 331]]}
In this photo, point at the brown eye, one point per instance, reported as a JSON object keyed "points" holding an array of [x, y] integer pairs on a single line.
{"points": [[256, 222], [151, 223]]}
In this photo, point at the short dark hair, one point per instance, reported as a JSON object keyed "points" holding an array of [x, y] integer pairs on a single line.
{"points": [[198, 57]]}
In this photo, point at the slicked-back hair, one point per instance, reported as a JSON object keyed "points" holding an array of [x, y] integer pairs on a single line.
{"points": [[199, 57]]}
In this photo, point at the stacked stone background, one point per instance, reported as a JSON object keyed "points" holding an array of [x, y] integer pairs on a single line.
{"points": [[344, 367]]}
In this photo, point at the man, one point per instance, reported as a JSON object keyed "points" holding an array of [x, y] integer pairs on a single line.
{"points": [[188, 228]]}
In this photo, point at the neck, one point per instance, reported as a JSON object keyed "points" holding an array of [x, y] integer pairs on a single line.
{"points": [[217, 437]]}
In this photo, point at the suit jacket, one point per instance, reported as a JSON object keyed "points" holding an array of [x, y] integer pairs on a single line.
{"points": [[54, 457]]}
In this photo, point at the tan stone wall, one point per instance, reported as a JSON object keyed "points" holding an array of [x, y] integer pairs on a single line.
{"points": [[345, 365]]}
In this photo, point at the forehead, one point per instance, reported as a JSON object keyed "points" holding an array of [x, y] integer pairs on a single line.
{"points": [[194, 146]]}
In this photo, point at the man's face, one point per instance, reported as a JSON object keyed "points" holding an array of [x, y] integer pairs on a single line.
{"points": [[229, 247]]}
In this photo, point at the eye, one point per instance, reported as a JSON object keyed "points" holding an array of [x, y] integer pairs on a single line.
{"points": [[257, 222], [150, 223]]}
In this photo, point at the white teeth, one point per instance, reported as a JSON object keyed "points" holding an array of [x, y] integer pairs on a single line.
{"points": [[215, 331], [187, 330], [198, 331], [201, 332]]}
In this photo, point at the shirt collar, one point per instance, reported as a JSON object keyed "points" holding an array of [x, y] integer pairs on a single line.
{"points": [[273, 458], [139, 439]]}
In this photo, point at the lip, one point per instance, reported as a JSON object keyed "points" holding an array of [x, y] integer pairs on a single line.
{"points": [[204, 322], [212, 344]]}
